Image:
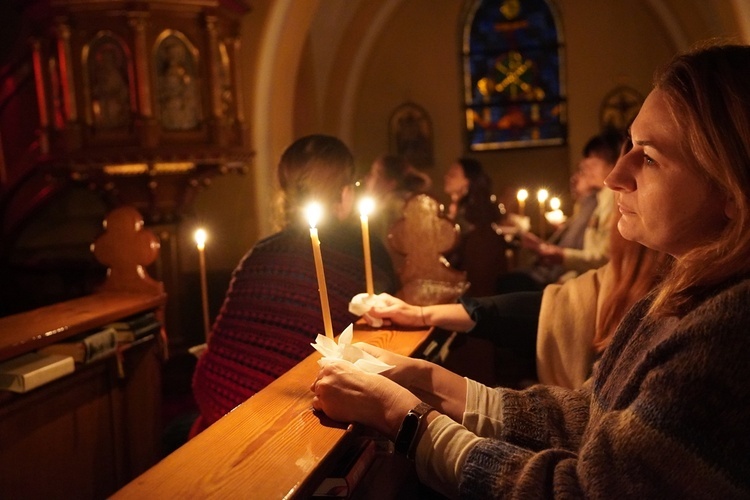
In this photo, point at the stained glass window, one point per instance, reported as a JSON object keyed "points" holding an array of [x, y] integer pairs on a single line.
{"points": [[512, 57]]}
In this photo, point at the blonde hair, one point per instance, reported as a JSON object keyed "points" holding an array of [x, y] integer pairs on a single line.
{"points": [[313, 168], [708, 90]]}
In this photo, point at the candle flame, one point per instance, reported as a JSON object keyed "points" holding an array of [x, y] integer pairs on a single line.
{"points": [[366, 206], [313, 213], [542, 195], [554, 203], [200, 238], [522, 195]]}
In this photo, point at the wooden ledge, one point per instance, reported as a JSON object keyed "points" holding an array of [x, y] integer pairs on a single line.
{"points": [[271, 446], [28, 331]]}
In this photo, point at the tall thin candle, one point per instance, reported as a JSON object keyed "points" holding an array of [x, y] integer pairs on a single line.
{"points": [[200, 240], [365, 208], [313, 212], [541, 197], [521, 197]]}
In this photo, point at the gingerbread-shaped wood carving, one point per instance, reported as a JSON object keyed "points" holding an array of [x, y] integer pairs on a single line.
{"points": [[423, 235], [126, 248]]}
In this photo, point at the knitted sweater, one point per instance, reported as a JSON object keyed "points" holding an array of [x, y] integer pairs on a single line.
{"points": [[664, 416], [272, 312]]}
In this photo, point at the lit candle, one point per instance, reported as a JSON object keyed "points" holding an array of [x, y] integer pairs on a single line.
{"points": [[521, 196], [554, 203], [541, 197], [200, 239], [313, 212], [365, 208]]}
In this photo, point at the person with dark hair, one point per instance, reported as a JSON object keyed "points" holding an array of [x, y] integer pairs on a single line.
{"points": [[391, 181], [665, 412], [272, 312], [583, 243], [480, 251], [470, 191]]}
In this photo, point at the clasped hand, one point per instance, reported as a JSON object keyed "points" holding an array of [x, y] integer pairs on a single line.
{"points": [[347, 394]]}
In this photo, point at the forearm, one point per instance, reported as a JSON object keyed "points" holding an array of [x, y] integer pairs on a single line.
{"points": [[451, 317], [438, 387]]}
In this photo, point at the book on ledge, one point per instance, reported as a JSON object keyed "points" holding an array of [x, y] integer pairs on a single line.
{"points": [[86, 348], [349, 471], [32, 370], [136, 327]]}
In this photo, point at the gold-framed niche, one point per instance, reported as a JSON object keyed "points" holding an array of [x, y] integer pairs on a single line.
{"points": [[141, 100]]}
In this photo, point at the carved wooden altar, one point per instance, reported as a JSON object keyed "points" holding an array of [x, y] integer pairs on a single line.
{"points": [[140, 100]]}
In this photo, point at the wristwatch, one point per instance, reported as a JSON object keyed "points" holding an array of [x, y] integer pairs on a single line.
{"points": [[406, 439]]}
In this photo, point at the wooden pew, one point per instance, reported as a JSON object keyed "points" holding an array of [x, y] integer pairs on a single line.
{"points": [[271, 446], [86, 434]]}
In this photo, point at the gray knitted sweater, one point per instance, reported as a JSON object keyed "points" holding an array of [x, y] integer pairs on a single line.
{"points": [[665, 415]]}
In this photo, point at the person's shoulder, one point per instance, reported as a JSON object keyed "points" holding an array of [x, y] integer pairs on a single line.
{"points": [[725, 310], [281, 242], [735, 293]]}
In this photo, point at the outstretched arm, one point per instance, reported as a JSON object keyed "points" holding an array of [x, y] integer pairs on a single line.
{"points": [[448, 316]]}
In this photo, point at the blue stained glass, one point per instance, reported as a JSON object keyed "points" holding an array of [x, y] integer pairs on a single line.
{"points": [[513, 94]]}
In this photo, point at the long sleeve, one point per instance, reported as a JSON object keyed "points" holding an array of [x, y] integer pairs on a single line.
{"points": [[509, 320], [540, 417], [595, 251], [668, 418]]}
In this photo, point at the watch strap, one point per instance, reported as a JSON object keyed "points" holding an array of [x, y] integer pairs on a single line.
{"points": [[406, 439]]}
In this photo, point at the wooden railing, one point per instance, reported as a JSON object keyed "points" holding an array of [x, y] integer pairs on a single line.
{"points": [[272, 446]]}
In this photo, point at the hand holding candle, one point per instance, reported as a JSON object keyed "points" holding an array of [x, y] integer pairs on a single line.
{"points": [[200, 240], [313, 212], [365, 208]]}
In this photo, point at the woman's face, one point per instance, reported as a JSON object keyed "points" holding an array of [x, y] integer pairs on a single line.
{"points": [[455, 182], [665, 204]]}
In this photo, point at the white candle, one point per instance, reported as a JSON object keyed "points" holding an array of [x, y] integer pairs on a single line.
{"points": [[313, 212], [521, 197], [365, 208], [200, 240], [541, 197]]}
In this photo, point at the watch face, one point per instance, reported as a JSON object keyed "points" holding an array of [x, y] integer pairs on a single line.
{"points": [[407, 432]]}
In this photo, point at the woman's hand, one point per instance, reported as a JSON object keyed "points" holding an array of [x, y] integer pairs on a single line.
{"points": [[530, 241], [396, 311], [348, 394], [404, 369], [550, 254]]}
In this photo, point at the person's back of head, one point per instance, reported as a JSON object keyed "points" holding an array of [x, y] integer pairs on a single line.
{"points": [[474, 172], [606, 145], [477, 203], [391, 173], [394, 167], [599, 157], [316, 168]]}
